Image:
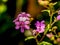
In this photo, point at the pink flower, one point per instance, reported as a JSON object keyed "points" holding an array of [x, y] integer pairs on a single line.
{"points": [[40, 26], [50, 35], [34, 32], [59, 12], [22, 21], [58, 17]]}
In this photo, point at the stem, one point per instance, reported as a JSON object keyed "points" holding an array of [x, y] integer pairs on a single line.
{"points": [[35, 37], [51, 14], [37, 41], [53, 23], [50, 20], [42, 38]]}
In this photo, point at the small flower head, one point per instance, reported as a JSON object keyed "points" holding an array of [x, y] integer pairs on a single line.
{"points": [[22, 21], [50, 35], [58, 17], [40, 26], [35, 32]]}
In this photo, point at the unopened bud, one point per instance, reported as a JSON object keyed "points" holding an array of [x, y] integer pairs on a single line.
{"points": [[54, 28], [43, 3], [27, 33], [52, 38], [55, 41], [31, 19]]}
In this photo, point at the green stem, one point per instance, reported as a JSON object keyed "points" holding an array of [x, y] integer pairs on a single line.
{"points": [[50, 20]]}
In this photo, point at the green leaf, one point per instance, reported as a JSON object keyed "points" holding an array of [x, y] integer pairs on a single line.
{"points": [[46, 11], [44, 43], [28, 38]]}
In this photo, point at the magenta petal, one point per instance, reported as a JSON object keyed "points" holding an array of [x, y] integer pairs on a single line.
{"points": [[37, 23], [27, 18], [22, 29], [28, 15], [27, 22], [58, 17], [17, 23], [38, 30], [43, 26], [42, 30], [42, 21], [27, 27], [15, 20], [17, 27]]}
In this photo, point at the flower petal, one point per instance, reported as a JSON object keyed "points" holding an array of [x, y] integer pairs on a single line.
{"points": [[27, 18], [42, 21], [37, 23], [49, 35], [17, 23], [28, 15], [15, 20], [42, 30], [34, 32], [20, 18], [27, 27], [17, 27], [42, 25], [22, 29], [24, 19], [27, 22], [58, 17]]}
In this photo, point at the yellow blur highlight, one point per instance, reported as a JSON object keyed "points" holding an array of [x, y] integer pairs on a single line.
{"points": [[3, 8], [4, 0]]}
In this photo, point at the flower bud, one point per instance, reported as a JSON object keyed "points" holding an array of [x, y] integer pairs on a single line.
{"points": [[54, 28], [52, 38], [43, 3], [27, 33], [31, 19], [55, 41]]}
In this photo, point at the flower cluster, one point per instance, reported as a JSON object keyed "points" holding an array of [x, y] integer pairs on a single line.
{"points": [[22, 21], [40, 27]]}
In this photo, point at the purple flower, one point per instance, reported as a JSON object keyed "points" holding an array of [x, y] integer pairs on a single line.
{"points": [[22, 21], [58, 17], [40, 26]]}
